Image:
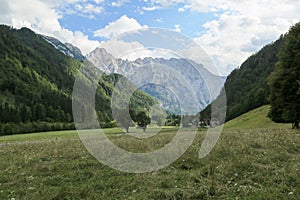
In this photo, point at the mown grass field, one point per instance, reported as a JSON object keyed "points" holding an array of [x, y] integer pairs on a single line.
{"points": [[247, 163]]}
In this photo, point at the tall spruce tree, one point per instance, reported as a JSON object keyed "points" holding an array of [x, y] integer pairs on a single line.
{"points": [[284, 82]]}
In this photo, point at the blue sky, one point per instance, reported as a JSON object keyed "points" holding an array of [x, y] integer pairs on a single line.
{"points": [[229, 31], [190, 23]]}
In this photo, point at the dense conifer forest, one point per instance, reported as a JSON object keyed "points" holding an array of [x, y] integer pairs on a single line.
{"points": [[36, 83]]}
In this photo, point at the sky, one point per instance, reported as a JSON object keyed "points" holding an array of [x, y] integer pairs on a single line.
{"points": [[229, 31]]}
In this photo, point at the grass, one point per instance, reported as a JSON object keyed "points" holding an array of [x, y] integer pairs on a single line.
{"points": [[246, 163], [256, 118], [38, 136], [58, 135]]}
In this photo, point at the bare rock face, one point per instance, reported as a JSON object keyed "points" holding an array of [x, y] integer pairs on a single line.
{"points": [[67, 48], [169, 81]]}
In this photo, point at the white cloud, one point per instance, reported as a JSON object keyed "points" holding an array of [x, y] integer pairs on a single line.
{"points": [[119, 3], [74, 1], [166, 3], [232, 38], [44, 20], [98, 1], [83, 8], [181, 10], [201, 5], [177, 28], [242, 28], [122, 25], [159, 20], [78, 39], [196, 53], [152, 8], [133, 50], [184, 8], [5, 12], [121, 49], [89, 8]]}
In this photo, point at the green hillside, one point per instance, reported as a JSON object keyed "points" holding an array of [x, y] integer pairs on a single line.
{"points": [[36, 83], [246, 87], [256, 118]]}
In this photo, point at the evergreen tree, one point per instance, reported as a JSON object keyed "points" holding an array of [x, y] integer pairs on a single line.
{"points": [[246, 87], [284, 81], [36, 84]]}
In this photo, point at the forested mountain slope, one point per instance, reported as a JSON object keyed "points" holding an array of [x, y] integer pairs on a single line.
{"points": [[246, 87], [36, 83]]}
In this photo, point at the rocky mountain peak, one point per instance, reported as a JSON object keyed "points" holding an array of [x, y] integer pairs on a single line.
{"points": [[67, 48], [205, 85]]}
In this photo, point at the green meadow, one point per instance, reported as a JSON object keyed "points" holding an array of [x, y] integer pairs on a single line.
{"points": [[253, 159]]}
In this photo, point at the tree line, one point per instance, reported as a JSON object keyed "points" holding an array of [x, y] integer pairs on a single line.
{"points": [[36, 84], [271, 76], [284, 82]]}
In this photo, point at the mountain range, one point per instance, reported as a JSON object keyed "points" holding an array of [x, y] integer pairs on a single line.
{"points": [[36, 84], [204, 84], [66, 48], [37, 75], [177, 84]]}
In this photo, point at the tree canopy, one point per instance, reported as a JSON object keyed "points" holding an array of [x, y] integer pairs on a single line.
{"points": [[284, 82], [36, 84], [143, 119], [246, 87]]}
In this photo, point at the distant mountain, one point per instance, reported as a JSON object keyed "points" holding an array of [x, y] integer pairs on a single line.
{"points": [[66, 48], [246, 87], [205, 84], [36, 84]]}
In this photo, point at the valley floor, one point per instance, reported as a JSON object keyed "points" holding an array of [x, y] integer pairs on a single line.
{"points": [[247, 163]]}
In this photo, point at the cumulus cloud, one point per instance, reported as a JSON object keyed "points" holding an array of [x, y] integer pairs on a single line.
{"points": [[197, 54], [119, 48], [44, 20], [159, 20], [5, 12], [177, 28], [241, 27], [122, 25], [152, 8], [119, 3], [89, 8], [166, 3], [244, 29], [181, 10], [133, 50], [98, 1], [83, 8]]}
